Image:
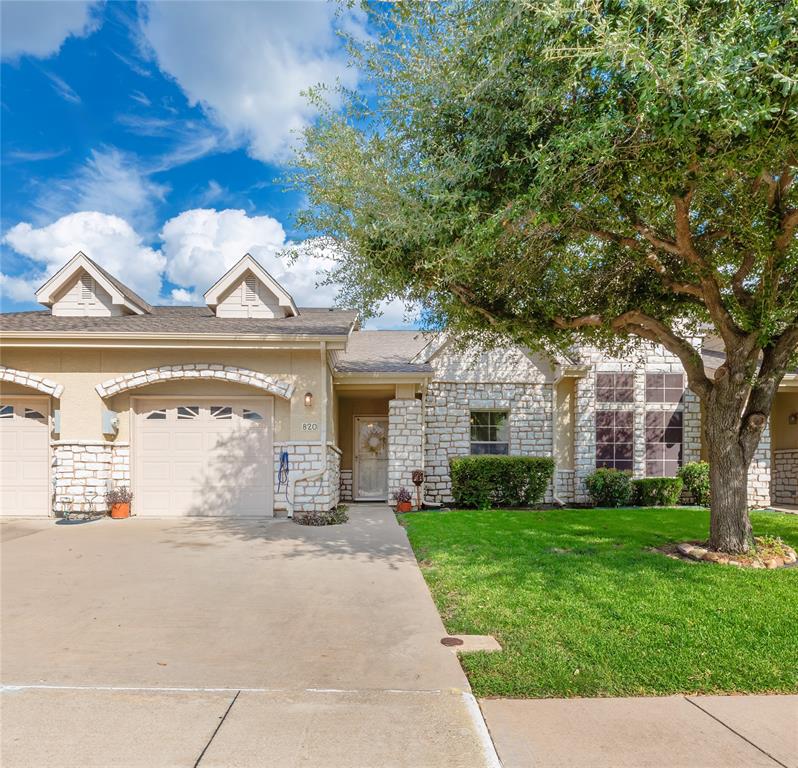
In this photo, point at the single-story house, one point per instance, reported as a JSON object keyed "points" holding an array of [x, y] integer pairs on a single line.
{"points": [[252, 406]]}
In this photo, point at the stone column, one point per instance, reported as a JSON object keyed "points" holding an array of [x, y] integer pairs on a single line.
{"points": [[405, 443]]}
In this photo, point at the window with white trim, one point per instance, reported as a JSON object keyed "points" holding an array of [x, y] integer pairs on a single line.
{"points": [[490, 432]]}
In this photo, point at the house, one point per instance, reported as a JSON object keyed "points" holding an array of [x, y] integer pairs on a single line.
{"points": [[252, 406]]}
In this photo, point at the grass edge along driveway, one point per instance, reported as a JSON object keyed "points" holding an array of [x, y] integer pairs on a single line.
{"points": [[582, 606]]}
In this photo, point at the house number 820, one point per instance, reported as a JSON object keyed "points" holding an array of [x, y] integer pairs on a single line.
{"points": [[310, 426]]}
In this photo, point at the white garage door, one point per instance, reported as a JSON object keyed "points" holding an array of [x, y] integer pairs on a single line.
{"points": [[197, 456], [24, 457]]}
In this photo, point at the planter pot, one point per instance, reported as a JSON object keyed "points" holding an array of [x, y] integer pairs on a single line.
{"points": [[404, 506], [120, 511]]}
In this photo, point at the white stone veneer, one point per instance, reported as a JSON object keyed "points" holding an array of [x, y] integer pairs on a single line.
{"points": [[405, 443], [83, 470], [448, 431], [785, 476], [315, 495]]}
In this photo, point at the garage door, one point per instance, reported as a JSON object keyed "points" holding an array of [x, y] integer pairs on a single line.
{"points": [[203, 457], [24, 457]]}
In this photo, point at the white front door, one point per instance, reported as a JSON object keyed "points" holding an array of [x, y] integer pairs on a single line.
{"points": [[24, 456], [202, 456], [371, 458]]}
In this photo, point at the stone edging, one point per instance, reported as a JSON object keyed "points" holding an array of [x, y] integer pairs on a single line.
{"points": [[230, 373], [697, 552]]}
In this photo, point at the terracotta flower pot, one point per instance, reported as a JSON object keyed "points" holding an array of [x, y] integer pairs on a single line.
{"points": [[120, 511], [404, 506]]}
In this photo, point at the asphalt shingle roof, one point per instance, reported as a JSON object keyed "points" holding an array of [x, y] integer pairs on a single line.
{"points": [[184, 320], [383, 352]]}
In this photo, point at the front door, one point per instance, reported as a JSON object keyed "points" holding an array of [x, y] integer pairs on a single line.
{"points": [[371, 458]]}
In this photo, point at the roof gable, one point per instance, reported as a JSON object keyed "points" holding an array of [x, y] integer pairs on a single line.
{"points": [[121, 297], [239, 276]]}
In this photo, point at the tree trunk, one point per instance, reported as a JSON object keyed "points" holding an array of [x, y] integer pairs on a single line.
{"points": [[729, 524]]}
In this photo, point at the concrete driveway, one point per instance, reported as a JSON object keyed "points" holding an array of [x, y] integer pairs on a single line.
{"points": [[227, 643]]}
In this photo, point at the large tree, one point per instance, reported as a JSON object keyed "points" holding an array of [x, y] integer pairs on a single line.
{"points": [[594, 171]]}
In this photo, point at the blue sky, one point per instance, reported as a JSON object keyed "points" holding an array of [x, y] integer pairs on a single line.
{"points": [[153, 136]]}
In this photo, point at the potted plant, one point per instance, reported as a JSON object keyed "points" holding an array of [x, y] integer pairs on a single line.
{"points": [[403, 499], [118, 501]]}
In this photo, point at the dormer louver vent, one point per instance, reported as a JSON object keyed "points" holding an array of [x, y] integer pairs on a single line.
{"points": [[250, 290], [86, 288]]}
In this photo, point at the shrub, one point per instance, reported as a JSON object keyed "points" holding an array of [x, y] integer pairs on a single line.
{"points": [[500, 481], [334, 516], [119, 495], [402, 496], [695, 477], [657, 491], [610, 487]]}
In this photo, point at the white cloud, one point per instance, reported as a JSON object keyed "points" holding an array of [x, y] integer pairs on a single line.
{"points": [[200, 245], [109, 182], [197, 248], [63, 88], [252, 87], [108, 240], [40, 28]]}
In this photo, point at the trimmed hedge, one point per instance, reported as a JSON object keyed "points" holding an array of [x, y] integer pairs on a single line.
{"points": [[695, 476], [657, 491], [610, 487], [500, 481]]}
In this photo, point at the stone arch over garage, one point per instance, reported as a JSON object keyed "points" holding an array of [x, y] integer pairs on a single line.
{"points": [[32, 380], [201, 371]]}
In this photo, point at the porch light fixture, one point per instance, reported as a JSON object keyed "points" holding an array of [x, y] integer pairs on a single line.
{"points": [[793, 419], [308, 399]]}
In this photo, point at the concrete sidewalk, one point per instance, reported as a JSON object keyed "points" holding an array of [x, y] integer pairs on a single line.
{"points": [[673, 731]]}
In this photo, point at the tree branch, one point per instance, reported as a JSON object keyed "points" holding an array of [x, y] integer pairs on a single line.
{"points": [[786, 229]]}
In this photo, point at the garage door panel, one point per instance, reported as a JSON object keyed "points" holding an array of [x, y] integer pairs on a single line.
{"points": [[24, 457], [204, 458]]}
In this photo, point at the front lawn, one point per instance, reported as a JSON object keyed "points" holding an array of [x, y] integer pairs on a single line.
{"points": [[582, 607]]}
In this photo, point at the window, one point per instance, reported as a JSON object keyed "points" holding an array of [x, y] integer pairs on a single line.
{"points": [[490, 432], [6, 411], [187, 411], [615, 387], [615, 439], [221, 412], [252, 415], [155, 415], [664, 387], [31, 414], [663, 443]]}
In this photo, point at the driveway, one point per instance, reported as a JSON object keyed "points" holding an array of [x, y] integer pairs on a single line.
{"points": [[225, 642]]}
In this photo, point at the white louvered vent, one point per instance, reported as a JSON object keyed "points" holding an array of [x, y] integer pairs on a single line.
{"points": [[86, 288], [250, 290]]}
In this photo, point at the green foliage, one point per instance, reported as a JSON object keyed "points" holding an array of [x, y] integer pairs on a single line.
{"points": [[516, 163], [583, 606], [500, 481], [657, 491], [610, 487], [695, 476]]}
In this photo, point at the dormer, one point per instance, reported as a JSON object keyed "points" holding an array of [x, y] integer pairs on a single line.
{"points": [[248, 290], [82, 288]]}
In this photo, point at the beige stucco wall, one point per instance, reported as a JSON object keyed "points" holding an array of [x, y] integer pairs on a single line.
{"points": [[565, 393], [783, 434], [80, 370], [348, 408]]}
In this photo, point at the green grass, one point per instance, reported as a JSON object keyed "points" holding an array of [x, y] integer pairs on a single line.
{"points": [[582, 607]]}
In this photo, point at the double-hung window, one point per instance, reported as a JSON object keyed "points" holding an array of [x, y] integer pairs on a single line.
{"points": [[490, 432]]}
